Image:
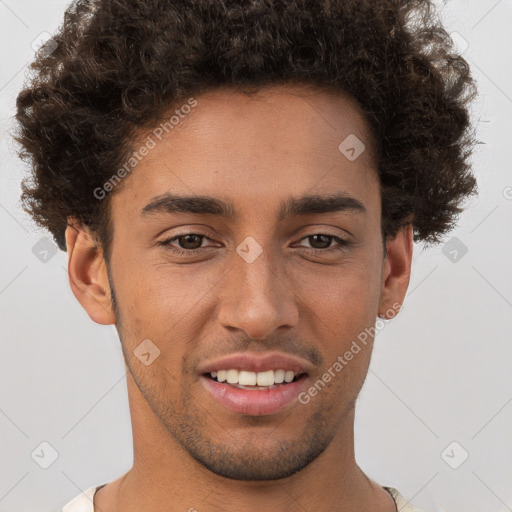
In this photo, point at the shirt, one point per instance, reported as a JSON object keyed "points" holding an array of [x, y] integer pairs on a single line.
{"points": [[84, 502]]}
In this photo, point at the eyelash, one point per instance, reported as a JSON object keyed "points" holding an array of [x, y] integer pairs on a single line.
{"points": [[188, 252]]}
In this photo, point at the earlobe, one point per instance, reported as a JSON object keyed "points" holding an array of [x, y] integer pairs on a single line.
{"points": [[88, 274], [396, 272]]}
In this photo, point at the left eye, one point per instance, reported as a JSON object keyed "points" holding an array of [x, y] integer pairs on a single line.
{"points": [[320, 236]]}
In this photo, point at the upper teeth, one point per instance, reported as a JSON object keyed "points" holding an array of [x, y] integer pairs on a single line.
{"points": [[268, 378]]}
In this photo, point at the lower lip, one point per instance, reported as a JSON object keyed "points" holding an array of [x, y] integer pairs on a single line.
{"points": [[255, 402]]}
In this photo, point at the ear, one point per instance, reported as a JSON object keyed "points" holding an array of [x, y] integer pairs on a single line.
{"points": [[87, 273], [396, 272]]}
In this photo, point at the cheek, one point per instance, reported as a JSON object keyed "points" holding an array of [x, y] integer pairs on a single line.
{"points": [[166, 306], [341, 309], [344, 315], [166, 294], [344, 298]]}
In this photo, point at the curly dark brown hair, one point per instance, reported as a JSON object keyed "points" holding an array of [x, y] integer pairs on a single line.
{"points": [[119, 64]]}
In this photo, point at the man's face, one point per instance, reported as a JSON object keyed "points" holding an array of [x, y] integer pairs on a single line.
{"points": [[259, 284]]}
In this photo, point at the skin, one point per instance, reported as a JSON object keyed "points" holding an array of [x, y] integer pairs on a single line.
{"points": [[189, 451]]}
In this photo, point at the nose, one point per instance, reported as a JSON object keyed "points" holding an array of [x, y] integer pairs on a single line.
{"points": [[256, 297]]}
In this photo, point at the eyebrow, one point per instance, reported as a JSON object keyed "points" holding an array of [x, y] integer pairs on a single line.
{"points": [[205, 205]]}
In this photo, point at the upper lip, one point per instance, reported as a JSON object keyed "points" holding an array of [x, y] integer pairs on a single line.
{"points": [[257, 362]]}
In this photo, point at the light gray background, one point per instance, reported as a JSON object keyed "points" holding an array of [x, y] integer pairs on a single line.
{"points": [[440, 371]]}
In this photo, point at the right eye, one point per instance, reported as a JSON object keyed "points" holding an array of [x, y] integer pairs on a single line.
{"points": [[185, 240]]}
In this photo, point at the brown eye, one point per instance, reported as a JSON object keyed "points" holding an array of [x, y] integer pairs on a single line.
{"points": [[185, 244], [323, 241], [190, 242]]}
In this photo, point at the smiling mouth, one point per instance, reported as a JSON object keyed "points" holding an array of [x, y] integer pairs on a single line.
{"points": [[254, 381]]}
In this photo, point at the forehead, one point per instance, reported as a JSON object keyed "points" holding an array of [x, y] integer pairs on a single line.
{"points": [[280, 141]]}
